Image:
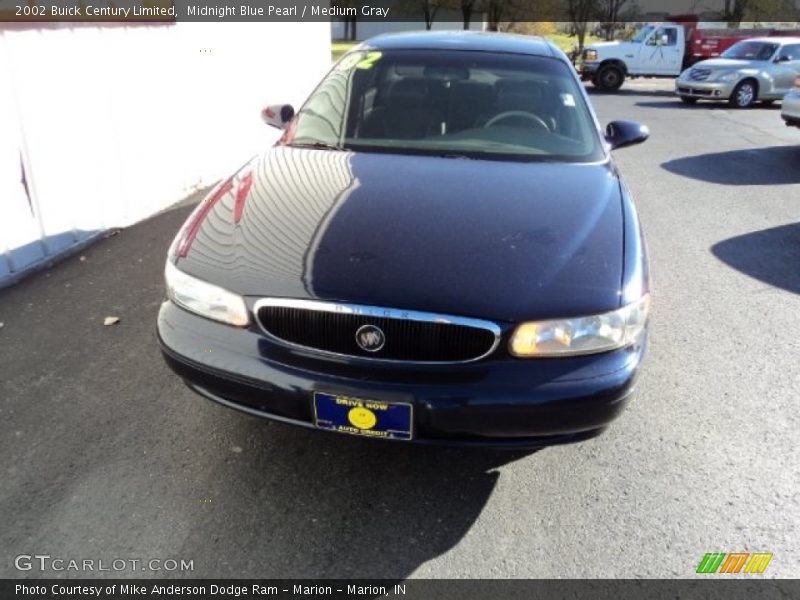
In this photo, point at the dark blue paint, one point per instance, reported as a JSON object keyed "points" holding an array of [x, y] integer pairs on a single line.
{"points": [[506, 241], [502, 240]]}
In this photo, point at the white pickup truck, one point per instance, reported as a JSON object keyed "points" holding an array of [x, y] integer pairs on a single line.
{"points": [[660, 50], [657, 50]]}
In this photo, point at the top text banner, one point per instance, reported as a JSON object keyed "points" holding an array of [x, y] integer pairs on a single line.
{"points": [[492, 12]]}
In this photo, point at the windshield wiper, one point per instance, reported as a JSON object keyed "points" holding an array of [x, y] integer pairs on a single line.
{"points": [[316, 146]]}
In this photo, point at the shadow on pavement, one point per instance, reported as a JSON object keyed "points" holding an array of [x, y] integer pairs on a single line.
{"points": [[316, 504], [775, 165], [109, 455], [675, 103], [593, 91], [771, 255]]}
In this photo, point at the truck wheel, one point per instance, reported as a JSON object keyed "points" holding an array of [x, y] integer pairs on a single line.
{"points": [[688, 100], [744, 94], [610, 78]]}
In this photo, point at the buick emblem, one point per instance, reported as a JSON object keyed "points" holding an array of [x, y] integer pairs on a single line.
{"points": [[370, 338]]}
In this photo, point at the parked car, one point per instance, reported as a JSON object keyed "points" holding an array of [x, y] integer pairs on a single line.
{"points": [[660, 50], [790, 111], [440, 248], [761, 69]]}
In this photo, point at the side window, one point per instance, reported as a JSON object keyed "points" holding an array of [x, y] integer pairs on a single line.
{"points": [[664, 36], [790, 52]]}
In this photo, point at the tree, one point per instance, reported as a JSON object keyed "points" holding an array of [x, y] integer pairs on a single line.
{"points": [[494, 13], [429, 9], [581, 12], [610, 16], [503, 15], [350, 22], [467, 7], [734, 11], [770, 10]]}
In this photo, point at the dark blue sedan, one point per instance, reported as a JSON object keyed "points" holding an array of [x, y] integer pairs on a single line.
{"points": [[439, 249]]}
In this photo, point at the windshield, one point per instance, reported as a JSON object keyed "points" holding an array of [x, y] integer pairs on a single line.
{"points": [[455, 103], [751, 51], [642, 34]]}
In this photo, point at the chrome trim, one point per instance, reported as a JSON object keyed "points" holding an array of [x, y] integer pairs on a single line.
{"points": [[377, 311], [380, 333]]}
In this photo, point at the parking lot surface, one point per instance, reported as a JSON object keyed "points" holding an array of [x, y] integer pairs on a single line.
{"points": [[107, 455]]}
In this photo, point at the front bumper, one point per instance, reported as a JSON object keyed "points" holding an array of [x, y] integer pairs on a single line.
{"points": [[790, 110], [497, 401], [716, 90], [589, 69]]}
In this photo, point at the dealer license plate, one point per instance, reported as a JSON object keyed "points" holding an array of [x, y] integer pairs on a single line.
{"points": [[358, 416]]}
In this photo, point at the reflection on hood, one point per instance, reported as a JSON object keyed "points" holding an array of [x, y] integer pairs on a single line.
{"points": [[491, 239]]}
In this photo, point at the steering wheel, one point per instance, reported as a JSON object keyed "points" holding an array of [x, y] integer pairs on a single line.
{"points": [[532, 118]]}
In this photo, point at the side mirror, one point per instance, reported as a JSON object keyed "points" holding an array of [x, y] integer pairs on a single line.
{"points": [[278, 115], [626, 133], [783, 59]]}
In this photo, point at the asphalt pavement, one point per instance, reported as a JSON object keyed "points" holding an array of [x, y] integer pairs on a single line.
{"points": [[107, 455]]}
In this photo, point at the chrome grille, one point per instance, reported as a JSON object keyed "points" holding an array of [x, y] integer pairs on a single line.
{"points": [[410, 336], [697, 74]]}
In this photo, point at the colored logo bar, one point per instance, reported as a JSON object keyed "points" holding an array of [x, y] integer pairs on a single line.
{"points": [[734, 562]]}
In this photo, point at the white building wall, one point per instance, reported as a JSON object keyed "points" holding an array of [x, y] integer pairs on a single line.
{"points": [[117, 122]]}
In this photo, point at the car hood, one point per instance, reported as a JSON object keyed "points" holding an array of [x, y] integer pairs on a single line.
{"points": [[726, 64], [494, 239], [600, 45]]}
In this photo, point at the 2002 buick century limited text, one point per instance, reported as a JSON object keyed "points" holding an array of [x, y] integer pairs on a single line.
{"points": [[440, 249]]}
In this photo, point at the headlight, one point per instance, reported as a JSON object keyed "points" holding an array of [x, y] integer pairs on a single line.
{"points": [[590, 55], [728, 77], [205, 299], [581, 335]]}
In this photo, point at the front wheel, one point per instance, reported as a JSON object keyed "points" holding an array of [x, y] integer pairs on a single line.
{"points": [[744, 95], [610, 78]]}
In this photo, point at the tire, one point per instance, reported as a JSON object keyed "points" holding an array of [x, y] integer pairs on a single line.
{"points": [[610, 78], [688, 100], [744, 94]]}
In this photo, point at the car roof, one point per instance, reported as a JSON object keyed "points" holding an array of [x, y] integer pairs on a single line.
{"points": [[464, 40], [775, 39]]}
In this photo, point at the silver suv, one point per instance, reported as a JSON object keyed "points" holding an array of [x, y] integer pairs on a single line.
{"points": [[758, 69]]}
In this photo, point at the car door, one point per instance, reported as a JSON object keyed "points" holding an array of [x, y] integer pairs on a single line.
{"points": [[661, 54], [786, 68]]}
